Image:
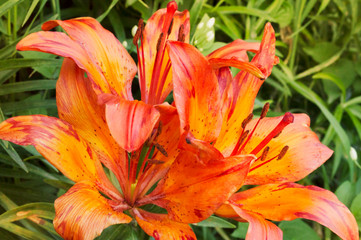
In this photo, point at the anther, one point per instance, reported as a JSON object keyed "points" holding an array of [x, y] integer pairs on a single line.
{"points": [[136, 37], [155, 161], [264, 153], [283, 152], [247, 120], [264, 110], [141, 25], [286, 120], [244, 135], [277, 134], [170, 27], [181, 36], [160, 39], [161, 149]]}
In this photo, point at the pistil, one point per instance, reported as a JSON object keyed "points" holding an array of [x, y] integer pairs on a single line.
{"points": [[287, 119]]}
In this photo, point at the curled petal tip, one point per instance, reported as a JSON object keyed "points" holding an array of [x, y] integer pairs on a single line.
{"points": [[172, 6]]}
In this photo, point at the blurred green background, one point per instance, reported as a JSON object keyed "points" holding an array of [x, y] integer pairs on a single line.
{"points": [[319, 45]]}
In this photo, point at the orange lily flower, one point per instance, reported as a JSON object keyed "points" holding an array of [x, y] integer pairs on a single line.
{"points": [[102, 125], [215, 112]]}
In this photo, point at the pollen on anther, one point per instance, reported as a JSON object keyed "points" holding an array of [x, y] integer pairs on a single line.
{"points": [[243, 137], [264, 110], [247, 120], [264, 153], [170, 27], [159, 41], [181, 36], [283, 152]]}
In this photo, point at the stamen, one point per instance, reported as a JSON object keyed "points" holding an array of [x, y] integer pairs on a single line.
{"points": [[264, 153], [279, 156], [161, 149], [170, 27], [156, 74], [181, 36], [287, 119], [240, 141], [159, 42], [264, 110], [277, 134], [141, 25], [139, 32], [283, 152], [136, 37], [139, 35], [247, 120]]}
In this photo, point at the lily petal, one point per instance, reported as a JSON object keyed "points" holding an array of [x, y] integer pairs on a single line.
{"points": [[289, 201], [61, 145], [83, 213], [235, 50], [242, 93], [187, 179], [259, 228], [130, 122], [242, 65], [77, 104], [196, 92], [161, 227], [56, 140], [152, 31], [305, 154], [93, 48]]}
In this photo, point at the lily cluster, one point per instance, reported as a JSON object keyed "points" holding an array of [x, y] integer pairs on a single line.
{"points": [[191, 157]]}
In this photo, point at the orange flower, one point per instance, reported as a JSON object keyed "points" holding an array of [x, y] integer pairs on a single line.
{"points": [[102, 125], [215, 112], [197, 154]]}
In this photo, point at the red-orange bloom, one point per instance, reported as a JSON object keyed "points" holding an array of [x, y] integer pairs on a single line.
{"points": [[215, 113], [208, 140], [102, 125]]}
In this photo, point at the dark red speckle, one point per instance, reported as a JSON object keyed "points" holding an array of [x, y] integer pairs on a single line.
{"points": [[198, 213], [156, 235]]}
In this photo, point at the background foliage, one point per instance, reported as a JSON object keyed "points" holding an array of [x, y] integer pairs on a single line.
{"points": [[318, 43]]}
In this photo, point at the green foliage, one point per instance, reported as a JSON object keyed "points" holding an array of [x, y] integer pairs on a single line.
{"points": [[319, 73]]}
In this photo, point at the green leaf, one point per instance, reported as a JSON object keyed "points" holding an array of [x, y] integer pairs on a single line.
{"points": [[12, 107], [245, 11], [356, 209], [13, 154], [23, 232], [214, 221], [112, 4], [241, 230], [7, 5], [10, 150], [320, 66], [121, 231], [194, 14], [297, 230], [32, 85], [22, 63], [30, 11], [345, 192], [322, 51], [43, 210], [284, 15]]}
